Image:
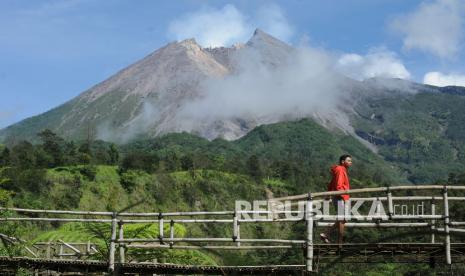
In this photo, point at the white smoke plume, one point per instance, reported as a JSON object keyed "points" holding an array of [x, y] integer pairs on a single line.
{"points": [[441, 79], [264, 91], [298, 83], [304, 85]]}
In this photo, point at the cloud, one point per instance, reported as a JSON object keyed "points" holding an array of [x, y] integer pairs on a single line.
{"points": [[214, 27], [440, 79], [298, 85], [434, 27], [379, 62], [303, 85]]}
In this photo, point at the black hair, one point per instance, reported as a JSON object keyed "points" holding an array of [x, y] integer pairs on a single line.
{"points": [[344, 157]]}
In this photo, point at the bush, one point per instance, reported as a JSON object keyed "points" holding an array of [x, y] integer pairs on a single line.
{"points": [[89, 171], [139, 161], [129, 180]]}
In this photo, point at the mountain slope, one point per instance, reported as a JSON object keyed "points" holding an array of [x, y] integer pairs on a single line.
{"points": [[138, 97], [143, 99], [150, 98], [299, 151], [424, 132]]}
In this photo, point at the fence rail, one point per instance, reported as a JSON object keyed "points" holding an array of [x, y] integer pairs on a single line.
{"points": [[436, 223]]}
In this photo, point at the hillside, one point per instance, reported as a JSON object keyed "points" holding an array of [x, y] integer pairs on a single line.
{"points": [[423, 133], [287, 150], [181, 172]]}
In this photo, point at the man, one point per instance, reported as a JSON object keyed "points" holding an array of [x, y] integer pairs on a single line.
{"points": [[339, 182]]}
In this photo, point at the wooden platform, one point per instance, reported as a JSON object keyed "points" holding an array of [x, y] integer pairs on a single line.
{"points": [[388, 252], [323, 253]]}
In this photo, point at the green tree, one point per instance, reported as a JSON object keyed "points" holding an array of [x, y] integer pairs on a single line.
{"points": [[3, 178], [71, 154], [113, 154], [53, 145], [187, 163], [254, 168], [85, 148], [139, 161], [172, 161], [5, 157], [44, 159], [32, 180], [23, 155]]}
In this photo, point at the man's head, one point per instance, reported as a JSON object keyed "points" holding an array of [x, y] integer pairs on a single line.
{"points": [[345, 160]]}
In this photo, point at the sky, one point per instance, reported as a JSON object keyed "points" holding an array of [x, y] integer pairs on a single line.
{"points": [[53, 50]]}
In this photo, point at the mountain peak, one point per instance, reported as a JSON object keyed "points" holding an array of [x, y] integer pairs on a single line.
{"points": [[189, 41], [260, 32], [175, 47], [260, 37]]}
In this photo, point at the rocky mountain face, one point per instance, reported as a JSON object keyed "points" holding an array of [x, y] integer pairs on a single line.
{"points": [[153, 96], [142, 100]]}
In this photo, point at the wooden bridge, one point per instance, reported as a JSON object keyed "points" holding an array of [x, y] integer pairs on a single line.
{"points": [[440, 226]]}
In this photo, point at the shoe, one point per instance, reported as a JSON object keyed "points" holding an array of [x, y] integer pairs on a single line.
{"points": [[324, 238]]}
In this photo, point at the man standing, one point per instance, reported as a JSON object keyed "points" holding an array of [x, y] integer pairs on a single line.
{"points": [[339, 182]]}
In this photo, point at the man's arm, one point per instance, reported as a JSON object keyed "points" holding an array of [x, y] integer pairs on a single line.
{"points": [[340, 179]]}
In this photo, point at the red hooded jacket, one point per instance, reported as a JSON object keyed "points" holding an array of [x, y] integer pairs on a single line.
{"points": [[340, 180]]}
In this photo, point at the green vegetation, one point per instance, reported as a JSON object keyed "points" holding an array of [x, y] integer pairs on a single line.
{"points": [[424, 134], [183, 172], [99, 235]]}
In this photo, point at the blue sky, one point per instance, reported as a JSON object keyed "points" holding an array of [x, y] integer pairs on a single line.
{"points": [[53, 50]]}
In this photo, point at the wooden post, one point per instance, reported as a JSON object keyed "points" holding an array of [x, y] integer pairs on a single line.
{"points": [[111, 257], [309, 242], [121, 245], [171, 233], [446, 226], [235, 228], [238, 233], [160, 228], [88, 248], [390, 204], [61, 251], [48, 251], [433, 222]]}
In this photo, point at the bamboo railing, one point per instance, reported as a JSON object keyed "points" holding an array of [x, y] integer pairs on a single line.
{"points": [[118, 244]]}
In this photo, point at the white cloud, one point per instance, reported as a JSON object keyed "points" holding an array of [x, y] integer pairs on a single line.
{"points": [[378, 62], [227, 25], [301, 84], [434, 27], [212, 27], [440, 79]]}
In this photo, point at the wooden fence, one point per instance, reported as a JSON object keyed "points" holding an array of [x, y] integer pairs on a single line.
{"points": [[438, 221]]}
